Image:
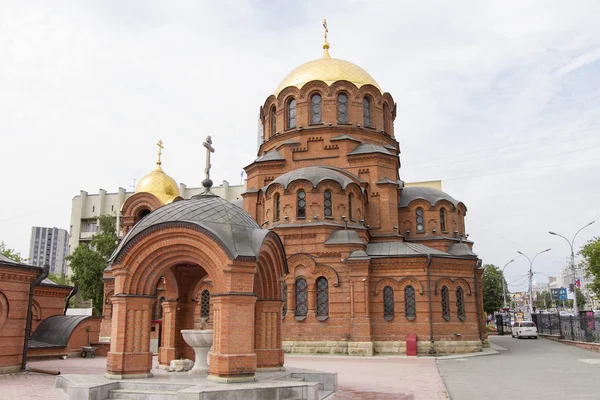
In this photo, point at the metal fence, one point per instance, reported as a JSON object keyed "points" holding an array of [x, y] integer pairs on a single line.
{"points": [[584, 328]]}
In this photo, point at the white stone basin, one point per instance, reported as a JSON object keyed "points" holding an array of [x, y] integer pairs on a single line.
{"points": [[201, 341]]}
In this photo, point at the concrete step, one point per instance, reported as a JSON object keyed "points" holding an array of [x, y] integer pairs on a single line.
{"points": [[325, 394], [137, 394], [156, 386]]}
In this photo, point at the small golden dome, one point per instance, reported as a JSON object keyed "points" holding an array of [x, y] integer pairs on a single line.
{"points": [[159, 184], [328, 70]]}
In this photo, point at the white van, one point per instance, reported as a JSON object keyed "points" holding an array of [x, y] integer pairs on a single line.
{"points": [[524, 329]]}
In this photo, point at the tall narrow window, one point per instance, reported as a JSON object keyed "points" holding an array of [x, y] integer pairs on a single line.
{"points": [[420, 220], [301, 297], [160, 308], [443, 219], [322, 298], [301, 205], [445, 303], [350, 206], [327, 204], [315, 109], [291, 113], [275, 206], [388, 303], [386, 112], [342, 108], [460, 303], [367, 111], [205, 304], [410, 306], [284, 298], [273, 121]]}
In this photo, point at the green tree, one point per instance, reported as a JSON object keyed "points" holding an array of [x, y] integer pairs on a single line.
{"points": [[544, 301], [581, 300], [10, 253], [591, 259], [492, 288], [88, 262], [60, 279]]}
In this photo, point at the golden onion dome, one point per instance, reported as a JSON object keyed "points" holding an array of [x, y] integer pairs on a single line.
{"points": [[158, 183], [328, 70]]}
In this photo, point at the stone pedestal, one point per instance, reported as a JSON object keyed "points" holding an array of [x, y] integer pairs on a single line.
{"points": [[201, 341]]}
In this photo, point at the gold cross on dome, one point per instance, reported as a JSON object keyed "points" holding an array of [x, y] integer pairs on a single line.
{"points": [[209, 149], [326, 30], [160, 147], [325, 43]]}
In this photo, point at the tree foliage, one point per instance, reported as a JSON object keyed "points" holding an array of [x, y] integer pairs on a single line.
{"points": [[492, 288], [88, 262], [60, 279], [544, 301], [591, 257], [10, 253]]}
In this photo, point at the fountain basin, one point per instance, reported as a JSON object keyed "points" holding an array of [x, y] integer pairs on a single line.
{"points": [[201, 341]]}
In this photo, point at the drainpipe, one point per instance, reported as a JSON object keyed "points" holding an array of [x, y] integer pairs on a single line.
{"points": [[37, 281], [429, 260], [477, 265], [69, 297]]}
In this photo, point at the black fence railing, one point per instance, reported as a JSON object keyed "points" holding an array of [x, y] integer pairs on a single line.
{"points": [[584, 328]]}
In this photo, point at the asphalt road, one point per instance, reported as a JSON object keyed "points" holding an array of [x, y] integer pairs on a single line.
{"points": [[528, 369]]}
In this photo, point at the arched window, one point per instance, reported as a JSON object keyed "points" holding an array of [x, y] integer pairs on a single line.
{"points": [[291, 113], [386, 112], [276, 207], [322, 298], [301, 290], [301, 204], [273, 121], [460, 303], [205, 304], [342, 108], [420, 220], [443, 219], [284, 299], [388, 303], [410, 306], [350, 206], [327, 204], [367, 111], [445, 303], [315, 109]]}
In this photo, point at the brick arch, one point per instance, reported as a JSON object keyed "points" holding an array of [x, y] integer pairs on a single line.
{"points": [[314, 87], [386, 281], [442, 280], [344, 86], [36, 311], [464, 284], [285, 95], [3, 309], [371, 91], [272, 266], [327, 272], [411, 280]]}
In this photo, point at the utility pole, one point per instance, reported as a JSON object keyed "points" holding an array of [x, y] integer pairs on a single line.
{"points": [[503, 286], [531, 260], [571, 243]]}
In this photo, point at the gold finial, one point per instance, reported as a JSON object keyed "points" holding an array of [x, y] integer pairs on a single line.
{"points": [[160, 147], [325, 43]]}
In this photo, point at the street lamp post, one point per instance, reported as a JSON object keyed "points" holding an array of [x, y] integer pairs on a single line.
{"points": [[503, 286], [531, 260], [571, 243]]}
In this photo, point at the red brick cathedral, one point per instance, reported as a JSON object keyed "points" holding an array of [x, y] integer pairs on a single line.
{"points": [[369, 261]]}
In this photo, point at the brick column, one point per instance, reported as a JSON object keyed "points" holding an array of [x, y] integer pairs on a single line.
{"points": [[129, 355], [232, 358], [312, 301], [291, 300], [269, 352], [167, 351]]}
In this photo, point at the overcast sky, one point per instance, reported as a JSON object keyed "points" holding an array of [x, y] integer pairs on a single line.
{"points": [[498, 99]]}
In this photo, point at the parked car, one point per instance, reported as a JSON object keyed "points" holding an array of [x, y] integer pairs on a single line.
{"points": [[524, 329], [565, 314]]}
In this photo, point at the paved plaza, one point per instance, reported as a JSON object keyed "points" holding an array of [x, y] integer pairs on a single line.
{"points": [[376, 378]]}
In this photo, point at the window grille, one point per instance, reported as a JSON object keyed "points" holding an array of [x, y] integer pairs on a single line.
{"points": [[291, 114], [284, 298], [301, 205], [350, 206], [410, 305], [205, 304], [342, 108], [385, 118], [273, 121], [315, 110], [276, 206], [322, 297], [367, 111], [443, 219], [420, 221], [388, 303], [460, 303], [301, 297], [445, 303], [327, 205]]}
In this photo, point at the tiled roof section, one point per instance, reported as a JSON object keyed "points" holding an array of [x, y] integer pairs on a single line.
{"points": [[270, 156], [289, 142], [410, 194], [343, 236], [461, 250], [345, 137], [358, 255], [387, 181], [235, 228], [314, 175], [395, 249], [369, 148]]}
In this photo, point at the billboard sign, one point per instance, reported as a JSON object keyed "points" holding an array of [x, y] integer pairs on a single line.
{"points": [[559, 294]]}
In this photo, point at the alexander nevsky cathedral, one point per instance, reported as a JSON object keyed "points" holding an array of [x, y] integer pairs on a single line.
{"points": [[328, 252]]}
